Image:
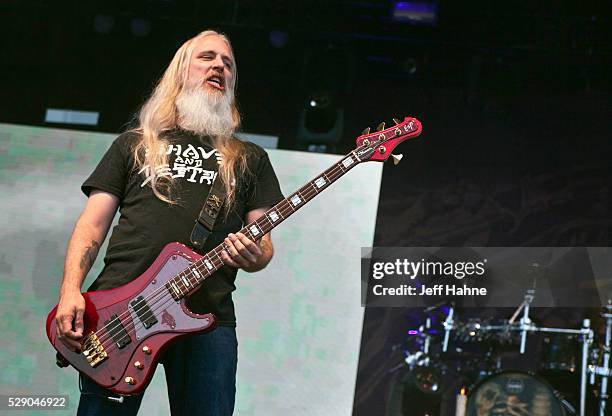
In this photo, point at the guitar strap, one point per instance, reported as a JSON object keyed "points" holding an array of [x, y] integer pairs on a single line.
{"points": [[206, 220]]}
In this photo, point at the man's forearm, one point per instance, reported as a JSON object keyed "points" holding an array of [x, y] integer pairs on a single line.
{"points": [[82, 251]]}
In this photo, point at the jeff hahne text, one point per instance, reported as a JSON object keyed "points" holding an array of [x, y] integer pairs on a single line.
{"points": [[426, 272]]}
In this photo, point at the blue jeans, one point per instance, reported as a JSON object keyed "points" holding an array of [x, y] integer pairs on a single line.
{"points": [[200, 374]]}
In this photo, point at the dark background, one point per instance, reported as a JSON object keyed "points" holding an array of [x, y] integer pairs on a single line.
{"points": [[514, 98]]}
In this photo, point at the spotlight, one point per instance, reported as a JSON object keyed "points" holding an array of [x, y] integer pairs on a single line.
{"points": [[103, 24], [321, 122], [422, 13], [140, 27]]}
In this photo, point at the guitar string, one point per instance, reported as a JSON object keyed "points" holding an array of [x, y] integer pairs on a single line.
{"points": [[156, 307], [139, 324], [153, 299], [308, 194], [333, 171]]}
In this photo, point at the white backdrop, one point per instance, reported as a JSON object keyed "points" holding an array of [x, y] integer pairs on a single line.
{"points": [[299, 320]]}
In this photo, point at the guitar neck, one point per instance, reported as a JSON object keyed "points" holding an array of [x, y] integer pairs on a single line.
{"points": [[192, 277]]}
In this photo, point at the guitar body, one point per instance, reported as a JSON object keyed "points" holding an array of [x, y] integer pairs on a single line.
{"points": [[128, 369]]}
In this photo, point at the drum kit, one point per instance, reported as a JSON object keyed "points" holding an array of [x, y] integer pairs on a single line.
{"points": [[571, 378]]}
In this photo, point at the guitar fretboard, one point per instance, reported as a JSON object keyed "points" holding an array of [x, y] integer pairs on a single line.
{"points": [[192, 277]]}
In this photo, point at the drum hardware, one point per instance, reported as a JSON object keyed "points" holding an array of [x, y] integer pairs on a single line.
{"points": [[605, 370], [418, 359], [525, 323], [586, 333], [567, 350], [448, 326], [478, 330], [427, 336]]}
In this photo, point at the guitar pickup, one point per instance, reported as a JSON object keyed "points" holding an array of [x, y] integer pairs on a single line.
{"points": [[117, 331], [143, 311]]}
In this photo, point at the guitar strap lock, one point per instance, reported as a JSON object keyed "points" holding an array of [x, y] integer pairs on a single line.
{"points": [[208, 215]]}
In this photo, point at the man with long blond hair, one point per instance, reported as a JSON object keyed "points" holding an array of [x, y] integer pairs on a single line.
{"points": [[159, 175]]}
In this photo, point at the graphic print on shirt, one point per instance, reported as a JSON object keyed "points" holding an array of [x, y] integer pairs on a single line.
{"points": [[187, 164]]}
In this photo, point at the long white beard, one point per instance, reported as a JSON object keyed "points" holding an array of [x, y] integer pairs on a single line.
{"points": [[204, 112]]}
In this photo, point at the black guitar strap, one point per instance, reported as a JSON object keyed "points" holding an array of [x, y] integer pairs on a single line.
{"points": [[206, 220]]}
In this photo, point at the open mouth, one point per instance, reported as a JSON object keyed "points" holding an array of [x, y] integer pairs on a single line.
{"points": [[216, 81]]}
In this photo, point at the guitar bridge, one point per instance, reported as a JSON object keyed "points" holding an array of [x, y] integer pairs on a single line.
{"points": [[93, 350]]}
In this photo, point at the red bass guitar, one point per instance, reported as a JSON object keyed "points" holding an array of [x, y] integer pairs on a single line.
{"points": [[126, 329]]}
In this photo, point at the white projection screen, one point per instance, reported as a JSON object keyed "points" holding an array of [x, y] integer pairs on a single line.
{"points": [[299, 320]]}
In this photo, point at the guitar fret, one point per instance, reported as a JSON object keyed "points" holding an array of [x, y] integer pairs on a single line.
{"points": [[254, 229], [184, 279], [263, 226], [319, 183], [272, 216], [208, 264], [175, 288], [218, 254], [295, 199], [280, 210], [305, 193], [334, 176], [284, 205], [268, 222], [174, 294], [348, 161]]}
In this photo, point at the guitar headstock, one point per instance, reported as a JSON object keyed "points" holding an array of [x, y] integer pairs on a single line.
{"points": [[378, 145]]}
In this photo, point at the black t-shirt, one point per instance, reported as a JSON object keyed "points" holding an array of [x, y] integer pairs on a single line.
{"points": [[147, 224]]}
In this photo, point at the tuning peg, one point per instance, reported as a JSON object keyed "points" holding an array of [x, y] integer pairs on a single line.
{"points": [[396, 121], [381, 126], [396, 158], [365, 131]]}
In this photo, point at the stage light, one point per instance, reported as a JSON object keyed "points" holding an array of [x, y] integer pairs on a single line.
{"points": [[104, 24], [321, 122], [140, 27], [415, 12]]}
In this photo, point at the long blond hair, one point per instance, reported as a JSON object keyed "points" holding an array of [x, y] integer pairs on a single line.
{"points": [[159, 114]]}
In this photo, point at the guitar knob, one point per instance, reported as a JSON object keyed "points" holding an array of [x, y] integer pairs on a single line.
{"points": [[130, 380], [381, 126], [396, 121], [146, 350], [365, 131], [139, 365], [396, 158]]}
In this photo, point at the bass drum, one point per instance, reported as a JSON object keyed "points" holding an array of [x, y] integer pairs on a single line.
{"points": [[514, 394]]}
